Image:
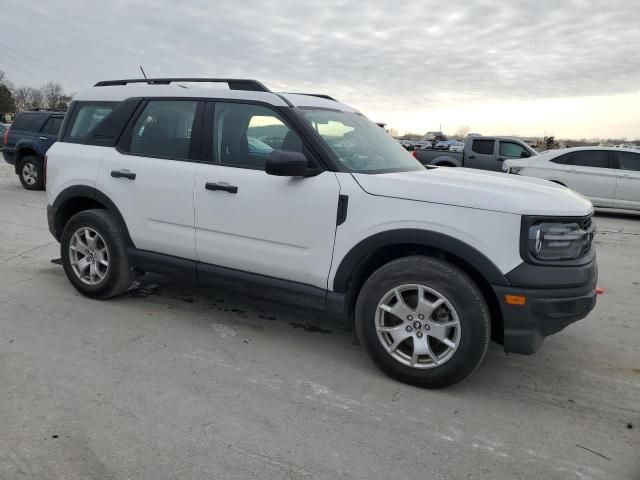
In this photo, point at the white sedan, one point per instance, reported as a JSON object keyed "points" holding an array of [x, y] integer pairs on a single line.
{"points": [[609, 177]]}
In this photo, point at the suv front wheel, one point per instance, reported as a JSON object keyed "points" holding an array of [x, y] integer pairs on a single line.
{"points": [[94, 255], [423, 321]]}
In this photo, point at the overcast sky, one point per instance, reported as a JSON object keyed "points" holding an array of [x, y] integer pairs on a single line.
{"points": [[569, 68]]}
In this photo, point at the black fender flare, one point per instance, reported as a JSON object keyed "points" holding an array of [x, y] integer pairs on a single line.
{"points": [[425, 238], [84, 191], [446, 159], [20, 147]]}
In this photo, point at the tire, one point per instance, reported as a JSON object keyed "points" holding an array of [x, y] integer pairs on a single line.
{"points": [[31, 173], [91, 277], [456, 297]]}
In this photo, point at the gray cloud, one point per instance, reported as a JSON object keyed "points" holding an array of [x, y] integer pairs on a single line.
{"points": [[385, 54]]}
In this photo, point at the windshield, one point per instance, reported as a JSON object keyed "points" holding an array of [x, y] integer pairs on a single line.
{"points": [[361, 145]]}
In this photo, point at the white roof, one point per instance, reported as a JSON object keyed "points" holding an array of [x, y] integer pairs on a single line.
{"points": [[562, 151], [119, 93]]}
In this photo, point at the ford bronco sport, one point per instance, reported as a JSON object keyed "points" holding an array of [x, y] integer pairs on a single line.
{"points": [[301, 199]]}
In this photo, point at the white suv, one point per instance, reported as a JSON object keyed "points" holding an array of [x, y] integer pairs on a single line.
{"points": [[301, 199]]}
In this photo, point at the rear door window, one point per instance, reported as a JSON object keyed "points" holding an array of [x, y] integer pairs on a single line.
{"points": [[483, 147], [86, 117], [52, 126], [629, 161], [591, 158], [164, 129]]}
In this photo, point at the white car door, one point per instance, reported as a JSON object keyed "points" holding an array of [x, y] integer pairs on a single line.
{"points": [[628, 191], [151, 179], [589, 172], [246, 220]]}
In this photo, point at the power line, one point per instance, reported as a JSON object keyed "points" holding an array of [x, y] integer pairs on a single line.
{"points": [[24, 58]]}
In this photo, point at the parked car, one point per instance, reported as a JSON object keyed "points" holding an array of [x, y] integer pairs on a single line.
{"points": [[423, 144], [609, 177], [431, 263], [26, 143], [485, 153], [456, 146], [442, 145], [3, 128]]}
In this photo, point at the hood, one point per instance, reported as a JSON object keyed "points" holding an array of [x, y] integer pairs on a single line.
{"points": [[480, 189]]}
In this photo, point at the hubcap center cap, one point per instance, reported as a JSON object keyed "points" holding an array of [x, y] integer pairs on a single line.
{"points": [[416, 325]]}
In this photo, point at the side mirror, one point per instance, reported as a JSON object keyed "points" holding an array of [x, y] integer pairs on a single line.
{"points": [[525, 154], [288, 164]]}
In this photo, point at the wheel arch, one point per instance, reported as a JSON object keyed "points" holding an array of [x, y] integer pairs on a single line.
{"points": [[446, 160], [24, 149], [379, 249], [81, 197]]}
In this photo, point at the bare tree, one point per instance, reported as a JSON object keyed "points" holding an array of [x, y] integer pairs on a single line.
{"points": [[27, 98], [36, 99], [52, 94], [7, 103], [462, 132]]}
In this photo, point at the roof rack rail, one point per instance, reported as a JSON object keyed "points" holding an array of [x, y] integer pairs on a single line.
{"points": [[319, 95], [234, 83]]}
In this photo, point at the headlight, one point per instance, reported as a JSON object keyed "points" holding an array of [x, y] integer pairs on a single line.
{"points": [[548, 241]]}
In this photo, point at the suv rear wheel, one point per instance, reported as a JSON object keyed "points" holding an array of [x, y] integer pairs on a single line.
{"points": [[423, 321], [31, 173], [94, 255]]}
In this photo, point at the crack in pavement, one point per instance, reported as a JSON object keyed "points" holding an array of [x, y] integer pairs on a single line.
{"points": [[25, 252]]}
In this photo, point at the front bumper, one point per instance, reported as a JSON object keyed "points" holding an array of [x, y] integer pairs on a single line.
{"points": [[546, 310]]}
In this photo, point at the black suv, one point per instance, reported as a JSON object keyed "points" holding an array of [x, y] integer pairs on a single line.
{"points": [[26, 143]]}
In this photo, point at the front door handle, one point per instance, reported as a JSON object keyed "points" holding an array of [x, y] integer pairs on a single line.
{"points": [[43, 138], [221, 186], [123, 174]]}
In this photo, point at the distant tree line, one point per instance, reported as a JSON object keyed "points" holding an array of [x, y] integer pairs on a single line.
{"points": [[16, 99]]}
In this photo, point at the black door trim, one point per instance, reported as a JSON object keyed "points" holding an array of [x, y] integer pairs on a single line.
{"points": [[251, 284]]}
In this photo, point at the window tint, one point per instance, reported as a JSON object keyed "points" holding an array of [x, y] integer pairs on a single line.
{"points": [[27, 122], [591, 158], [483, 147], [566, 159], [85, 119], [164, 129], [514, 150], [246, 134], [52, 126], [629, 161]]}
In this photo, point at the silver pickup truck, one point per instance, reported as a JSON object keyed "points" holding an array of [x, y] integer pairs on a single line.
{"points": [[485, 153]]}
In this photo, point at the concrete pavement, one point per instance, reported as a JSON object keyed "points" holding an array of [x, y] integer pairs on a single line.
{"points": [[194, 383]]}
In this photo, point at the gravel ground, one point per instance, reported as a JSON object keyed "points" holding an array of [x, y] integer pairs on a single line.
{"points": [[179, 382]]}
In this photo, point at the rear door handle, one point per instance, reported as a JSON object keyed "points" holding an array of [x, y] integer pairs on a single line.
{"points": [[500, 159], [221, 186], [43, 138], [472, 157], [123, 174]]}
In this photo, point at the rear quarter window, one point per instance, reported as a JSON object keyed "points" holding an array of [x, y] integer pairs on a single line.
{"points": [[483, 147], [85, 118], [27, 122]]}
